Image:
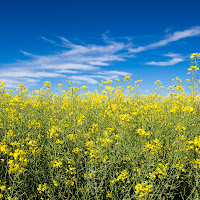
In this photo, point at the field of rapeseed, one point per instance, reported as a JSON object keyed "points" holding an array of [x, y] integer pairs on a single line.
{"points": [[102, 144]]}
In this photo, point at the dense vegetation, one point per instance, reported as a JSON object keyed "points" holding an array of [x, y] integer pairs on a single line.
{"points": [[102, 144]]}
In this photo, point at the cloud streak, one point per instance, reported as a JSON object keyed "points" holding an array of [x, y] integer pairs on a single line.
{"points": [[21, 74], [85, 79], [71, 59], [172, 61], [194, 31], [175, 59], [86, 62]]}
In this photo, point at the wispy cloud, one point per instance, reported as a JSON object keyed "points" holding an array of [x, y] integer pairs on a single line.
{"points": [[23, 74], [66, 71], [194, 31], [91, 79], [175, 58], [85, 79], [74, 66], [10, 83], [172, 61], [44, 38], [28, 54], [172, 55], [74, 59], [119, 73]]}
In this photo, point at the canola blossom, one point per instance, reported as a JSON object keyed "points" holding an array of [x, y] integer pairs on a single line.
{"points": [[103, 144]]}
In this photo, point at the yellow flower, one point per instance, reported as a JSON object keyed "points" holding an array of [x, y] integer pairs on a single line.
{"points": [[84, 87], [2, 187], [187, 109], [55, 183], [109, 195], [127, 78], [47, 83], [157, 82], [57, 164]]}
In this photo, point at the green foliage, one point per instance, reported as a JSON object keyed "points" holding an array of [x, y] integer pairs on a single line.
{"points": [[100, 145]]}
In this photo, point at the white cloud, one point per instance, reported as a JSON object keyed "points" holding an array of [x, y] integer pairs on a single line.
{"points": [[74, 59], [98, 63], [44, 38], [172, 55], [31, 74], [85, 79], [104, 77], [27, 54], [91, 79], [30, 80], [175, 58], [172, 61], [194, 31], [11, 83], [69, 66], [119, 73], [66, 71]]}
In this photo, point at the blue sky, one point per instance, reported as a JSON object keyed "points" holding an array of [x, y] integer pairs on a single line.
{"points": [[92, 40]]}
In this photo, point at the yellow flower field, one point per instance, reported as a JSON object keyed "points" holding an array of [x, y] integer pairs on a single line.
{"points": [[105, 144]]}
